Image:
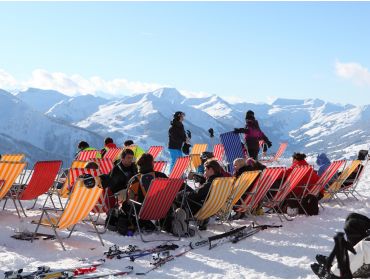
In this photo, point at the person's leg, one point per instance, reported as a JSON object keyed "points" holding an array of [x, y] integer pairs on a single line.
{"points": [[175, 154], [355, 227]]}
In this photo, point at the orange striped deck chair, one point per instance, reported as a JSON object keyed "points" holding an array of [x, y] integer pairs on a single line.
{"points": [[64, 191], [219, 152], [113, 154], [218, 194], [180, 167], [195, 155], [241, 185], [155, 151], [80, 203], [334, 188], [13, 157], [9, 172], [87, 155], [160, 166], [279, 153]]}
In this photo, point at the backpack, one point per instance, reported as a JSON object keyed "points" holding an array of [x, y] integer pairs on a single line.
{"points": [[180, 223], [139, 186], [310, 203]]}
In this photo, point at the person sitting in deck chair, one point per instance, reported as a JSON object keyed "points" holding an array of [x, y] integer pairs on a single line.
{"points": [[362, 154], [84, 146], [108, 144]]}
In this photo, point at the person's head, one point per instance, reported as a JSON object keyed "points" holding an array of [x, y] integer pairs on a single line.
{"points": [[362, 154], [128, 143], [83, 145], [92, 165], [179, 116], [298, 157], [206, 156], [108, 140], [127, 157], [145, 163], [322, 159], [212, 167], [249, 115], [239, 163]]}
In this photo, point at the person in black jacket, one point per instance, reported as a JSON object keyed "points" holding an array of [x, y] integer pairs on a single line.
{"points": [[177, 137], [252, 135], [121, 173]]}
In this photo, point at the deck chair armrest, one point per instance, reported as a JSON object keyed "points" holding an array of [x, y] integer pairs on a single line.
{"points": [[135, 202]]}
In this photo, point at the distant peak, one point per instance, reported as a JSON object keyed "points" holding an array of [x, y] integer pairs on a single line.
{"points": [[166, 91], [287, 102]]}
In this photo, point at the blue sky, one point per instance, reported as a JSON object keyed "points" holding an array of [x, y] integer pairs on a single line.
{"points": [[250, 50]]}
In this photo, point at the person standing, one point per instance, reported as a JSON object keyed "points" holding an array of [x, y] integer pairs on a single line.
{"points": [[252, 135], [177, 137]]}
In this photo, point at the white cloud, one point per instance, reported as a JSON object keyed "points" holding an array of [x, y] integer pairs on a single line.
{"points": [[354, 72], [7, 81]]}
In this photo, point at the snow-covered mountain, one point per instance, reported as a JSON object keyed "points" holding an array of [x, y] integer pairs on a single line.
{"points": [[310, 125], [24, 129]]}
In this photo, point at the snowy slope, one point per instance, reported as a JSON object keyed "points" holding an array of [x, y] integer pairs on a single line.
{"points": [[285, 252], [37, 135]]}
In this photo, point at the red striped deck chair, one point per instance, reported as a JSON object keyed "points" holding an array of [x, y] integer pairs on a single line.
{"points": [[78, 208], [87, 155], [9, 172], [180, 167], [113, 154], [278, 154], [335, 187], [43, 177], [286, 188], [259, 189], [105, 165], [157, 202], [195, 153], [219, 152], [324, 179], [155, 151], [13, 157], [160, 166]]}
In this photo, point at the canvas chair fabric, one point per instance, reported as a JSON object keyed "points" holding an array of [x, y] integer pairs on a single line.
{"points": [[160, 166], [180, 167], [218, 194], [105, 165], [87, 155], [9, 172], [64, 191], [278, 154], [113, 154], [219, 152], [233, 147], [13, 157], [195, 153], [155, 151]]}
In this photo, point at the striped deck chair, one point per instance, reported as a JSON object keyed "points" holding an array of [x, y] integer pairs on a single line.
{"points": [[64, 191], [233, 148], [155, 151], [195, 153], [42, 180], [217, 197], [240, 186], [13, 157], [157, 202], [9, 172], [79, 205], [113, 154], [286, 188], [351, 189], [87, 155], [324, 179], [260, 188], [105, 165], [160, 166], [335, 187], [180, 167], [219, 152], [278, 154]]}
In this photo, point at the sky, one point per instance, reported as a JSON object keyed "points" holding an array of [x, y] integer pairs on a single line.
{"points": [[251, 51]]}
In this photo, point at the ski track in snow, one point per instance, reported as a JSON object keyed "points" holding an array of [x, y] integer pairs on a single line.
{"points": [[285, 252]]}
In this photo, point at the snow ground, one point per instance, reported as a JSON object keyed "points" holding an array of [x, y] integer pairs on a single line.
{"points": [[285, 252]]}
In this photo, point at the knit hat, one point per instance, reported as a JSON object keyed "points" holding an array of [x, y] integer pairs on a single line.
{"points": [[249, 115]]}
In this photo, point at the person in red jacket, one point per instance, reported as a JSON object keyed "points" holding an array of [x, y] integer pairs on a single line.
{"points": [[108, 144]]}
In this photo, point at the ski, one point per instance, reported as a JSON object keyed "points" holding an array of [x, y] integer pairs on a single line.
{"points": [[160, 260], [127, 271], [29, 235], [253, 230]]}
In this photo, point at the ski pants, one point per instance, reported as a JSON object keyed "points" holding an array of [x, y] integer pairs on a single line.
{"points": [[175, 154]]}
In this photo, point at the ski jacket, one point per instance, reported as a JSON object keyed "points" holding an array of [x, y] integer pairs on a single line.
{"points": [[119, 177], [176, 135], [323, 162]]}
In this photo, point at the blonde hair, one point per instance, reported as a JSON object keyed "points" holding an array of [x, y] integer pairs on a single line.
{"points": [[240, 162]]}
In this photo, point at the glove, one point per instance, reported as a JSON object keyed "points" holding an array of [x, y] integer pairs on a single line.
{"points": [[269, 144]]}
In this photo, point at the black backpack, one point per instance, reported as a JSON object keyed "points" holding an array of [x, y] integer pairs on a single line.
{"points": [[310, 203]]}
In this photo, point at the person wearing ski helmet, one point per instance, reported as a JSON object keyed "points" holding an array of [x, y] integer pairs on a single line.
{"points": [[176, 137], [252, 135]]}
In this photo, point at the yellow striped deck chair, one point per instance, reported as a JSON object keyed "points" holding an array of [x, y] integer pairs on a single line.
{"points": [[337, 184], [9, 171], [218, 194], [13, 157], [241, 185], [81, 201], [195, 155], [64, 191]]}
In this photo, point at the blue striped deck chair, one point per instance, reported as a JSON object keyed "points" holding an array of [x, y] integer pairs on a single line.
{"points": [[233, 148]]}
